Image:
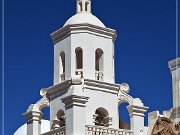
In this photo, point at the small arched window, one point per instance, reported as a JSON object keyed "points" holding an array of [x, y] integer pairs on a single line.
{"points": [[102, 117], [62, 66]]}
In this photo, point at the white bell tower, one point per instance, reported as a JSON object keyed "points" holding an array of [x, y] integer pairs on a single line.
{"points": [[84, 99], [84, 46]]}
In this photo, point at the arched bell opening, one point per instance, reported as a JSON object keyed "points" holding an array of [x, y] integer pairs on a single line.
{"points": [[80, 9], [87, 6], [61, 117], [62, 66], [99, 64], [101, 117], [79, 61], [124, 118], [59, 120]]}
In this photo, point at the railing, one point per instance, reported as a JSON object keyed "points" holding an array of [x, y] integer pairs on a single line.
{"points": [[62, 76], [100, 130], [93, 130], [99, 75], [59, 131]]}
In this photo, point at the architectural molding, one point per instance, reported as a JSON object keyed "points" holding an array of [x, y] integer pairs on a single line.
{"points": [[137, 110], [174, 64], [61, 88], [101, 86], [33, 112], [74, 100], [66, 31], [33, 116]]}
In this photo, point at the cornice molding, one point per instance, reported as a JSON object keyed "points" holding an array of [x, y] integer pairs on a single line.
{"points": [[137, 110], [174, 64], [101, 86], [61, 88], [75, 100], [94, 85], [33, 116], [66, 31], [58, 89]]}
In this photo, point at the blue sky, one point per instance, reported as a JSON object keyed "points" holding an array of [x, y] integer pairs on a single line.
{"points": [[145, 44]]}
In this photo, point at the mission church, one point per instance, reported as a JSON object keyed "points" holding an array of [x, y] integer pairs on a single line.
{"points": [[84, 98]]}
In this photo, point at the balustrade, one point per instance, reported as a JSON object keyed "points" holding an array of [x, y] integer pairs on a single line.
{"points": [[93, 130], [100, 130], [59, 131], [99, 75]]}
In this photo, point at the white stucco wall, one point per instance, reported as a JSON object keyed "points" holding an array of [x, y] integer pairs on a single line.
{"points": [[89, 43], [105, 100], [63, 45]]}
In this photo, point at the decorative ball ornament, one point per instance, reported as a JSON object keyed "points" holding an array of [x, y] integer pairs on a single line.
{"points": [[43, 92], [124, 87]]}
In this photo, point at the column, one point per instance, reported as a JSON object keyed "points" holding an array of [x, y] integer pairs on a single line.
{"points": [[136, 111], [174, 66], [75, 114]]}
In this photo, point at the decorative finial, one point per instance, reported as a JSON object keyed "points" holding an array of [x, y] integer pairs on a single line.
{"points": [[83, 6]]}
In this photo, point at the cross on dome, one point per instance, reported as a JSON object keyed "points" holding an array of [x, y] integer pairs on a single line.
{"points": [[83, 6]]}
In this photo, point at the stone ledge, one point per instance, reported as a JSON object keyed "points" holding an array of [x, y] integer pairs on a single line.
{"points": [[174, 64]]}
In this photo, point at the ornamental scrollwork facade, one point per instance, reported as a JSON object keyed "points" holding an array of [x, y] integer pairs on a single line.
{"points": [[123, 94], [165, 126]]}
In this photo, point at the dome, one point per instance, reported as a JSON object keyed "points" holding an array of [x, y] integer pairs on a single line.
{"points": [[45, 127], [84, 18]]}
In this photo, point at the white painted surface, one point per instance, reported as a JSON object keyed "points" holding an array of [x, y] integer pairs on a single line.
{"points": [[84, 18], [90, 34], [89, 43]]}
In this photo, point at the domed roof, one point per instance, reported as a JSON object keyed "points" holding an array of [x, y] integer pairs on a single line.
{"points": [[84, 17], [45, 127]]}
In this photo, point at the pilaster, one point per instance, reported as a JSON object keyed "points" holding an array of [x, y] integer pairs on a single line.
{"points": [[136, 111], [33, 122], [75, 114], [34, 114], [174, 66]]}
